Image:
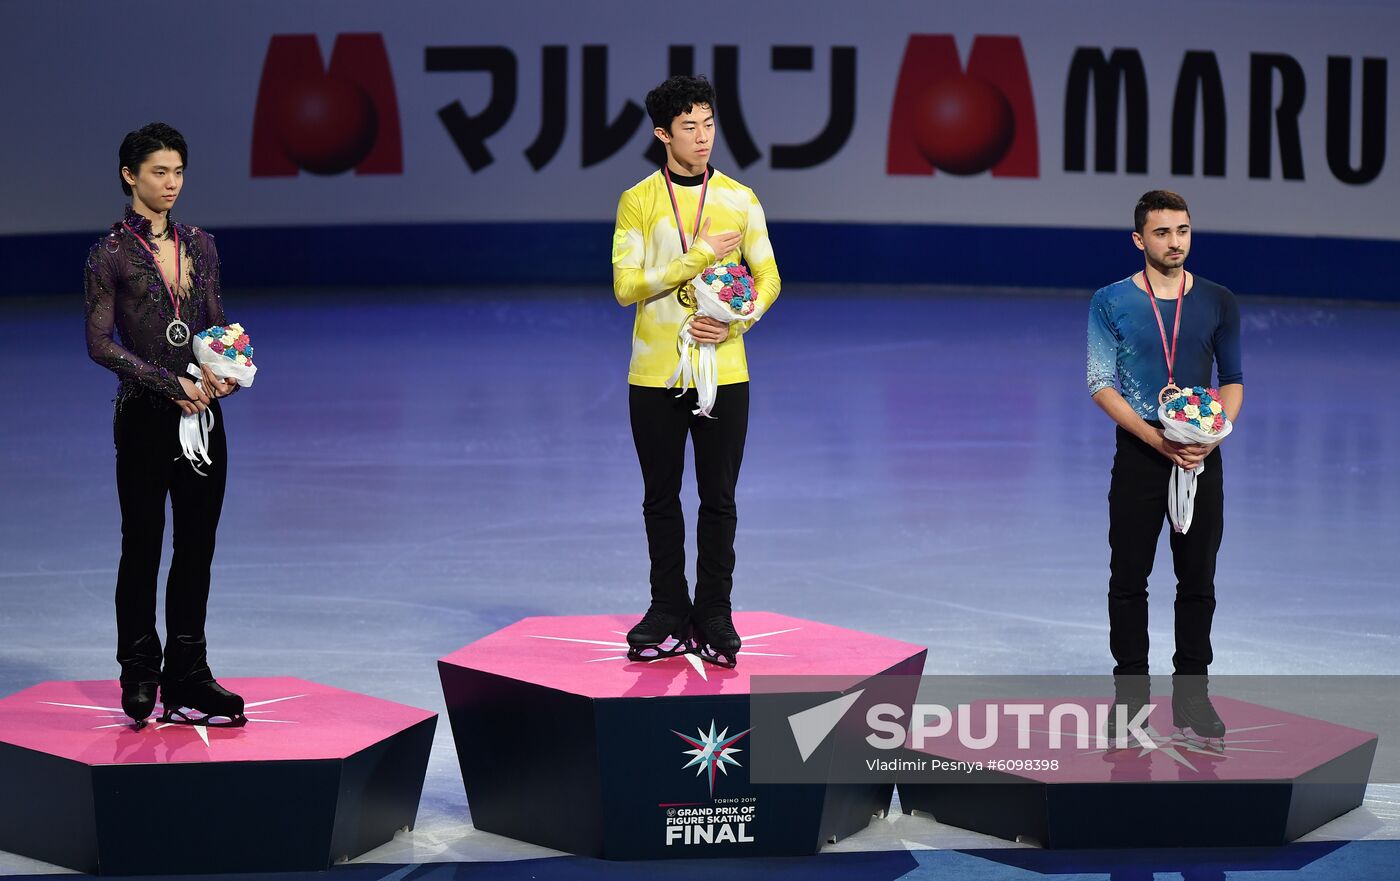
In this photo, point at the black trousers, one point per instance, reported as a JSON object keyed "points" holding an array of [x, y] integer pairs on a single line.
{"points": [[660, 423], [150, 467], [1137, 510]]}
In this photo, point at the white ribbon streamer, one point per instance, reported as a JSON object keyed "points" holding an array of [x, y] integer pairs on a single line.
{"points": [[194, 433], [1181, 496], [685, 371], [703, 375]]}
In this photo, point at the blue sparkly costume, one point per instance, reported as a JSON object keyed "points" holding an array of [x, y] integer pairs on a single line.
{"points": [[1125, 344]]}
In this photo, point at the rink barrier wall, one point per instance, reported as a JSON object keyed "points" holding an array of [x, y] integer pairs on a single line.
{"points": [[572, 253]]}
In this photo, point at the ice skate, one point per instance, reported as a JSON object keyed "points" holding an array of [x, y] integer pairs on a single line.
{"points": [[660, 634], [1130, 695], [1194, 715], [716, 641], [213, 705], [138, 702]]}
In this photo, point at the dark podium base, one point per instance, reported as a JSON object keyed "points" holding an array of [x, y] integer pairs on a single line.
{"points": [[317, 775], [566, 744], [1276, 776]]}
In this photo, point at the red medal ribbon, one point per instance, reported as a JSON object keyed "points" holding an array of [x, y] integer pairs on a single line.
{"points": [[675, 206], [174, 301], [1176, 327]]}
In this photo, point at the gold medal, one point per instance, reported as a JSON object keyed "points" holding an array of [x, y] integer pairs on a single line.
{"points": [[685, 294]]}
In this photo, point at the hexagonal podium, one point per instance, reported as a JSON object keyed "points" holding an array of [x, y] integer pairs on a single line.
{"points": [[1276, 776], [565, 743], [318, 774]]}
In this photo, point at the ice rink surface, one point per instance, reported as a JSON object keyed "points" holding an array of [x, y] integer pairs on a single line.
{"points": [[414, 469]]}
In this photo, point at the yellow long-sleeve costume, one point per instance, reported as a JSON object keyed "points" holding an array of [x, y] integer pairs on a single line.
{"points": [[649, 265]]}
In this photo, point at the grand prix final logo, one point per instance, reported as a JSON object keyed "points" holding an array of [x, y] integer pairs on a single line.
{"points": [[963, 122], [326, 120], [721, 821]]}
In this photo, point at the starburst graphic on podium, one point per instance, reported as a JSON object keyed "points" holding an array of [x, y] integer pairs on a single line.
{"points": [[201, 730], [1180, 746], [712, 752], [611, 647]]}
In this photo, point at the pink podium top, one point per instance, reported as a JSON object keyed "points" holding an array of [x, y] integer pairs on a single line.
{"points": [[288, 719], [1261, 743], [587, 655]]}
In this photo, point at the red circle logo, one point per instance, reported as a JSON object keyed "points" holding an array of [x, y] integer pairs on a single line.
{"points": [[327, 125], [963, 124]]}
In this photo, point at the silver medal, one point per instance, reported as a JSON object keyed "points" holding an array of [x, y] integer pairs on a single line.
{"points": [[177, 333]]}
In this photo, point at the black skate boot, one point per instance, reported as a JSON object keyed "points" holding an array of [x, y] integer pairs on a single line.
{"points": [[216, 706], [1193, 712], [660, 634], [716, 640], [138, 702], [1130, 695]]}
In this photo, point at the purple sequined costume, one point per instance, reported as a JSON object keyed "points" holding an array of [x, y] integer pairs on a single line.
{"points": [[125, 294]]}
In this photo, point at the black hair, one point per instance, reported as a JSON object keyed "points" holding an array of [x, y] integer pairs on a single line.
{"points": [[676, 96], [140, 144], [1157, 200]]}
